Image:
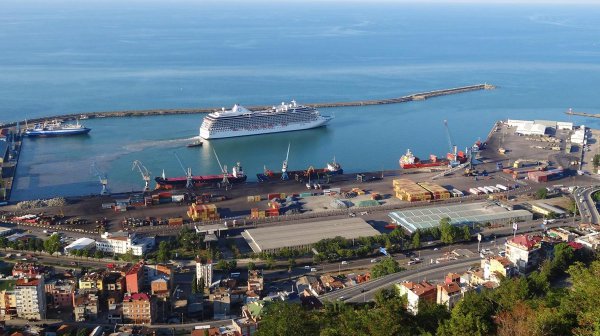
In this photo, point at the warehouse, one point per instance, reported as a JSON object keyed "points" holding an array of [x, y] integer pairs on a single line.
{"points": [[302, 236], [460, 214], [531, 129], [80, 244], [547, 209]]}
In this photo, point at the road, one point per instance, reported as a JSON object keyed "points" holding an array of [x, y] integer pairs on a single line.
{"points": [[586, 204]]}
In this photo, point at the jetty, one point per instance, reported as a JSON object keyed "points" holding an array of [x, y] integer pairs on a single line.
{"points": [[142, 113], [582, 114]]}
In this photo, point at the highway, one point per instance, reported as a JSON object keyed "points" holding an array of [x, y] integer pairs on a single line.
{"points": [[586, 204]]}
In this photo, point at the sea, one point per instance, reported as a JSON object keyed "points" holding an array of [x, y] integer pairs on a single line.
{"points": [[66, 56]]}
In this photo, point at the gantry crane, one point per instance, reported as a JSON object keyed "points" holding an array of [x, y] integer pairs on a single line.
{"points": [[144, 172], [189, 183], [225, 181], [284, 174], [102, 177], [452, 154]]}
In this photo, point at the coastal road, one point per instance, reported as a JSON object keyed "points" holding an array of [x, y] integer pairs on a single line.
{"points": [[586, 204], [367, 290]]}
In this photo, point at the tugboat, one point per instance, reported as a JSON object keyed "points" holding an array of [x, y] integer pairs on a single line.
{"points": [[197, 143]]}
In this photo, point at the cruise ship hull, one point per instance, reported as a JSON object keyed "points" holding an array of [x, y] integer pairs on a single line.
{"points": [[206, 134], [53, 133]]}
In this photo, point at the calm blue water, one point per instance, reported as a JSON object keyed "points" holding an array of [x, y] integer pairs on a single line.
{"points": [[74, 56]]}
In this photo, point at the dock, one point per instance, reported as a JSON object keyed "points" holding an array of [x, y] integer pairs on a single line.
{"points": [[142, 113]]}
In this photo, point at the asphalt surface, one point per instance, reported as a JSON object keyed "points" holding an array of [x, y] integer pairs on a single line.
{"points": [[586, 204]]}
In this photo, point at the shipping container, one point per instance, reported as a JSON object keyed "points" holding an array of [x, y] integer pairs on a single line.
{"points": [[176, 221]]}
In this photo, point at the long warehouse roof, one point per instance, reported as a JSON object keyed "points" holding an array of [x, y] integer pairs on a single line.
{"points": [[429, 217], [276, 237]]}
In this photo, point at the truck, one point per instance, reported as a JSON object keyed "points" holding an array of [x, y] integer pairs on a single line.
{"points": [[502, 187]]}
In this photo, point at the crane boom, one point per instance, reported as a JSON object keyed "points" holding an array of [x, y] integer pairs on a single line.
{"points": [[449, 136], [219, 162], [144, 172], [181, 164]]}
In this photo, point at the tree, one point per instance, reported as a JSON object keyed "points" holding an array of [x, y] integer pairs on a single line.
{"points": [[128, 256], [251, 266], [201, 286], [52, 244], [541, 193], [386, 266], [282, 318], [466, 233], [98, 254], [596, 160], [583, 298], [291, 263], [163, 254], [416, 239], [447, 231], [194, 284], [471, 316], [85, 253]]}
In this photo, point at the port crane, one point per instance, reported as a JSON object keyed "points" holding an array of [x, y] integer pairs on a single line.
{"points": [[452, 155], [284, 174], [189, 182], [102, 177], [144, 172], [225, 181]]}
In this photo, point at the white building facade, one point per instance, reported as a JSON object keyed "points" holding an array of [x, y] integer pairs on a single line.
{"points": [[122, 242], [31, 298], [204, 272]]}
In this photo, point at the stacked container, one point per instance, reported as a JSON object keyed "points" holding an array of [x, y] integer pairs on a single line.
{"points": [[203, 212], [438, 192], [176, 221], [408, 190]]}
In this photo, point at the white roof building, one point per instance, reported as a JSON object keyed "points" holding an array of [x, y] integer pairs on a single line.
{"points": [[80, 244], [121, 242], [531, 129]]}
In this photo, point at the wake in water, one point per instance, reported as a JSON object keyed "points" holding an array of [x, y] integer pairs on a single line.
{"points": [[171, 143]]}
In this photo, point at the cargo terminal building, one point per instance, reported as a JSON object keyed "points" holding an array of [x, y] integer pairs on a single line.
{"points": [[303, 236], [460, 214]]}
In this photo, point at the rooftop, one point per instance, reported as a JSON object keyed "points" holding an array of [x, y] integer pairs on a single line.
{"points": [[28, 282], [80, 243], [525, 242], [460, 214], [419, 289], [276, 237], [137, 297], [451, 288]]}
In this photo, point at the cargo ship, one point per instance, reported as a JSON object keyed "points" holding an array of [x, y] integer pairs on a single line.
{"points": [[235, 177], [409, 161], [56, 128], [332, 168]]}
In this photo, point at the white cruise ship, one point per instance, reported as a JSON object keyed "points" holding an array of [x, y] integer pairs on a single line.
{"points": [[239, 121]]}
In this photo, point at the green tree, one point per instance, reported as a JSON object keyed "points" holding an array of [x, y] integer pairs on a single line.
{"points": [[128, 256], [291, 263], [466, 232], [3, 242], [583, 300], [447, 231], [541, 193], [98, 254], [430, 315], [194, 284], [416, 239], [596, 160], [251, 266], [164, 254], [471, 316], [282, 318], [386, 266], [52, 244], [201, 286]]}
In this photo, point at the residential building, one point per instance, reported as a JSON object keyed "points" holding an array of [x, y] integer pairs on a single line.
{"points": [[256, 281], [60, 292], [115, 313], [160, 287], [415, 292], [28, 270], [122, 242], [204, 272], [85, 306], [590, 241], [134, 279], [449, 294], [30, 298], [311, 284], [245, 326], [525, 252], [114, 283], [221, 300], [91, 282], [495, 268], [139, 308], [561, 234], [8, 299]]}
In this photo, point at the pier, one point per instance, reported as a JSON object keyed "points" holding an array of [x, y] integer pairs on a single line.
{"points": [[141, 113], [582, 114]]}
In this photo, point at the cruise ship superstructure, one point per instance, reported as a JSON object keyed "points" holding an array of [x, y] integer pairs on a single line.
{"points": [[239, 121]]}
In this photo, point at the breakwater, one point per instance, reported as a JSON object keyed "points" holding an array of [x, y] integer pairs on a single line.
{"points": [[141, 113], [582, 114]]}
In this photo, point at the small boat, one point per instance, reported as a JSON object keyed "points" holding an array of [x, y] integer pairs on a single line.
{"points": [[197, 143]]}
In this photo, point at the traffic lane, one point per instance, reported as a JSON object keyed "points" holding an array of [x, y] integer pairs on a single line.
{"points": [[439, 272]]}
